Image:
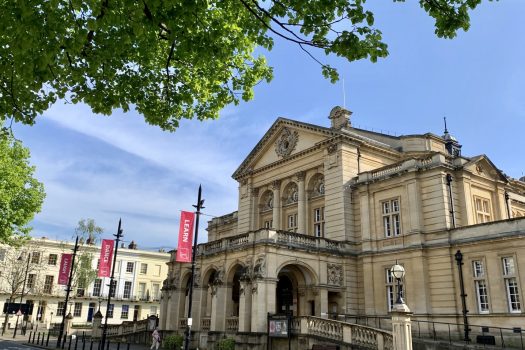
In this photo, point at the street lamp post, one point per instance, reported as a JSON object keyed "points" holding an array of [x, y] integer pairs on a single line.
{"points": [[398, 271], [22, 293]]}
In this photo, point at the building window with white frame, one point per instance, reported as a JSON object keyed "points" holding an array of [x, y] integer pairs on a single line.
{"points": [[268, 224], [113, 289], [319, 222], [77, 311], [142, 291], [511, 284], [110, 310], [97, 286], [391, 217], [31, 278], [35, 258], [482, 206], [48, 284], [127, 290], [52, 259], [60, 308], [480, 285], [125, 312], [129, 267], [143, 268], [292, 222], [156, 291]]}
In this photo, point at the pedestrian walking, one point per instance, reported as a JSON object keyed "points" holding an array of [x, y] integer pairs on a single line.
{"points": [[156, 338]]}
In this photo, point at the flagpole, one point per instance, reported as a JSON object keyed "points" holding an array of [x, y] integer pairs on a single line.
{"points": [[199, 206], [105, 329], [68, 289]]}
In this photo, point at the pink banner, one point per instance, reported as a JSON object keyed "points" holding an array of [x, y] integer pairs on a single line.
{"points": [[184, 252], [65, 267], [106, 253]]}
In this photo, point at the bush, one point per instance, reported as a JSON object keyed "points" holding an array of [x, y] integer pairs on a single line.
{"points": [[173, 342], [226, 344]]}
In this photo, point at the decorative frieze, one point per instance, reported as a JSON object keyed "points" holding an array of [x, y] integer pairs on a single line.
{"points": [[286, 142], [335, 274]]}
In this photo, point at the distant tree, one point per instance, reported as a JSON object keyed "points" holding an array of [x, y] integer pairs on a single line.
{"points": [[16, 268], [175, 59], [21, 195], [83, 271]]}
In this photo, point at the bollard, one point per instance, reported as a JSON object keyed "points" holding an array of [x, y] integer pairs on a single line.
{"points": [[47, 340], [76, 342]]}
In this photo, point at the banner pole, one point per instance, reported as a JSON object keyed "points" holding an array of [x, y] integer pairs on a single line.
{"points": [[68, 289], [105, 329], [199, 206]]}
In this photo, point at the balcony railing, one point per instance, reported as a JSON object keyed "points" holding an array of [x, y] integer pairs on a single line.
{"points": [[268, 236], [232, 324]]}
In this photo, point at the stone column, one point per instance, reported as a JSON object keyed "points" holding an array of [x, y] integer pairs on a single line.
{"points": [[401, 327], [322, 302], [301, 203], [263, 301], [218, 308], [196, 312], [245, 306], [276, 186]]}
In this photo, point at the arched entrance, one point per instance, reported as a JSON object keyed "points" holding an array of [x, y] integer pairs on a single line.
{"points": [[294, 290]]}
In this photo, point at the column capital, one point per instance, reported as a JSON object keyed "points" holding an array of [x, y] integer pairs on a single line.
{"points": [[300, 175], [276, 184]]}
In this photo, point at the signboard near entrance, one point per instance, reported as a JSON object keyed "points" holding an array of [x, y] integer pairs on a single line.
{"points": [[278, 326]]}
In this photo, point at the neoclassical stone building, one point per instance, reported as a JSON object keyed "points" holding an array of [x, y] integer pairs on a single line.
{"points": [[324, 212]]}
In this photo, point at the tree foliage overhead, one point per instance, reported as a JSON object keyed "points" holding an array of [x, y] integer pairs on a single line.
{"points": [[21, 195], [174, 59]]}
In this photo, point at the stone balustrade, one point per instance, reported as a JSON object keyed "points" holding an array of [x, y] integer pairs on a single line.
{"points": [[205, 324], [232, 324], [268, 236], [127, 327], [353, 334]]}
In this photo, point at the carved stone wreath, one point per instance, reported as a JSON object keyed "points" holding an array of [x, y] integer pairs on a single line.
{"points": [[335, 274], [286, 142]]}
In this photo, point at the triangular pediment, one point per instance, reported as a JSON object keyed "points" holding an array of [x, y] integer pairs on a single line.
{"points": [[482, 166], [285, 139]]}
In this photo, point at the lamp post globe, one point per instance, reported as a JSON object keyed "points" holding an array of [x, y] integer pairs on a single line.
{"points": [[398, 272]]}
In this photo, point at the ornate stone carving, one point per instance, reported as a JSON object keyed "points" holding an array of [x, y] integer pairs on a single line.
{"points": [[197, 277], [219, 277], [267, 201], [317, 187], [254, 289], [276, 184], [331, 148], [286, 142], [291, 195], [255, 192], [300, 175], [259, 270], [335, 274]]}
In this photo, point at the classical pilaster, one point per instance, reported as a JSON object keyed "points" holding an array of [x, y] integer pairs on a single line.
{"points": [[218, 308], [301, 203], [276, 187], [245, 306], [263, 301], [254, 220]]}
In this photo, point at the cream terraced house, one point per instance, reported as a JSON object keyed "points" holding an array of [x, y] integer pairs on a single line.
{"points": [[138, 280], [323, 214]]}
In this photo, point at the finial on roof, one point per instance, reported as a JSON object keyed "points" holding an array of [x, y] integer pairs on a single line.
{"points": [[445, 120], [340, 117], [451, 144]]}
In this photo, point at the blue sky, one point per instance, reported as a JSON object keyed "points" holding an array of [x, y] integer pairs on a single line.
{"points": [[110, 167]]}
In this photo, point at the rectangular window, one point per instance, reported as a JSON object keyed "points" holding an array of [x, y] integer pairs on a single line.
{"points": [[292, 222], [31, 278], [77, 312], [391, 218], [52, 259], [156, 290], [48, 284], [113, 289], [143, 268], [129, 267], [127, 290], [142, 291], [35, 257], [482, 210], [389, 289], [482, 296], [157, 270], [319, 222], [60, 308], [110, 310], [125, 312], [511, 284], [268, 224], [97, 285]]}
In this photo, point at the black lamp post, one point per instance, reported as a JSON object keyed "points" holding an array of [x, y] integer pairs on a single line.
{"points": [[199, 206], [398, 271], [22, 293], [459, 261]]}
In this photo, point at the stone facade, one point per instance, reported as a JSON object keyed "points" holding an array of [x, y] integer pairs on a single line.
{"points": [[324, 212]]}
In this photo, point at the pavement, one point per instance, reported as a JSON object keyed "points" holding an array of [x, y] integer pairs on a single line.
{"points": [[21, 342]]}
